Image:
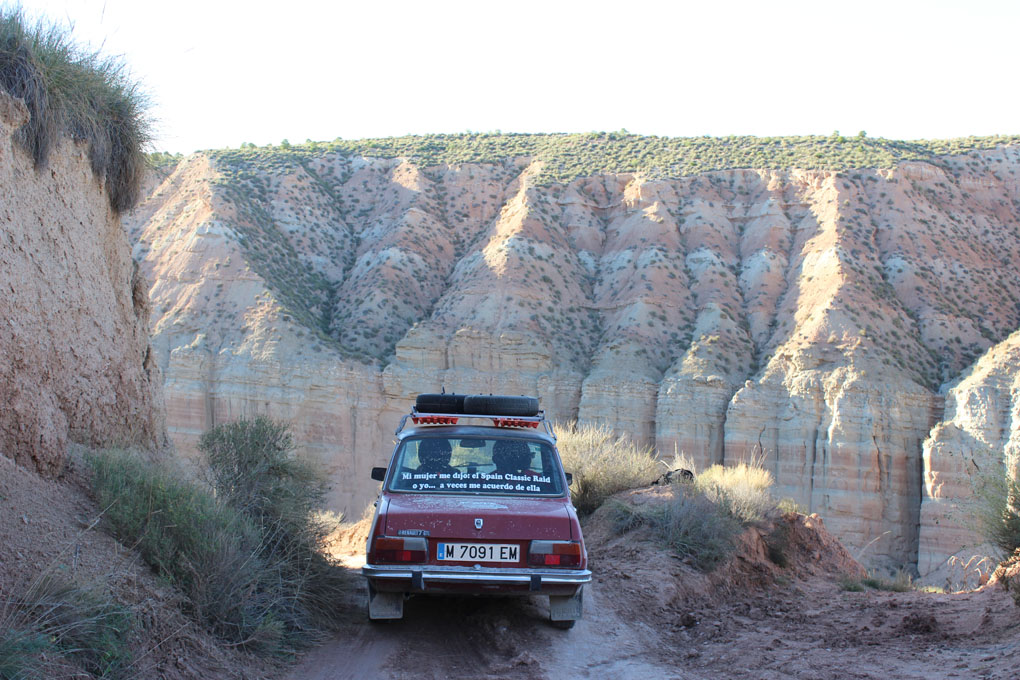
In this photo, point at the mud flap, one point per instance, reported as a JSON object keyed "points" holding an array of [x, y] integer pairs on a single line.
{"points": [[566, 607], [384, 605]]}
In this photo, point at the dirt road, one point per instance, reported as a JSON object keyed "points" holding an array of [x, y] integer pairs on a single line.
{"points": [[474, 638], [811, 630], [648, 615]]}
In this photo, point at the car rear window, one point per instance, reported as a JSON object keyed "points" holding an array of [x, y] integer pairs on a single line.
{"points": [[476, 465]]}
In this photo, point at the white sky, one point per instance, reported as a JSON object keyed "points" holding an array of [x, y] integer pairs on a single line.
{"points": [[221, 73]]}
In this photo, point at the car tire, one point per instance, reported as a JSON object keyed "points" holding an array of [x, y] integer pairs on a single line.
{"points": [[440, 403], [500, 405]]}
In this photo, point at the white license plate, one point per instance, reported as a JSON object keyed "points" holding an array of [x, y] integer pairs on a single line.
{"points": [[478, 552]]}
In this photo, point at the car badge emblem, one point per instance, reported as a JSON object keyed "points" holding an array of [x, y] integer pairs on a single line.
{"points": [[478, 523]]}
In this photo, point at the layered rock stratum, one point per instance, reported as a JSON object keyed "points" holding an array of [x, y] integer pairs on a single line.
{"points": [[818, 319], [75, 363]]}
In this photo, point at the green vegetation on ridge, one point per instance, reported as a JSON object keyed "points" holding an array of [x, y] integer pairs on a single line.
{"points": [[298, 206], [569, 156]]}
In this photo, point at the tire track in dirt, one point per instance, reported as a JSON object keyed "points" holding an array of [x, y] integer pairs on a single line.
{"points": [[453, 637], [602, 645], [353, 654]]}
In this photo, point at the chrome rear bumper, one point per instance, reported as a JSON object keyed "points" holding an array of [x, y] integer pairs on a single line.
{"points": [[421, 576]]}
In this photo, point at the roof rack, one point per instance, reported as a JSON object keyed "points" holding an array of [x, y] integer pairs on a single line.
{"points": [[523, 422]]}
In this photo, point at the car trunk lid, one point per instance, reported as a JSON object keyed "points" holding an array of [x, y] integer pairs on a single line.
{"points": [[472, 518]]}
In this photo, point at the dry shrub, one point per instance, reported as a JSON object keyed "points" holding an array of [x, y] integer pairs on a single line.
{"points": [[968, 574], [255, 472], [705, 516], [248, 557], [602, 463], [743, 490], [1007, 574]]}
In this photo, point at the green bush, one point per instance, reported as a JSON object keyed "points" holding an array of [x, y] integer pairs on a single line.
{"points": [[602, 463], [255, 472], [208, 550], [247, 557], [74, 92], [566, 157], [61, 623], [998, 512]]}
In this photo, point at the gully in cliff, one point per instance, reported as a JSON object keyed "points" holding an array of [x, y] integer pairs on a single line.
{"points": [[480, 508]]}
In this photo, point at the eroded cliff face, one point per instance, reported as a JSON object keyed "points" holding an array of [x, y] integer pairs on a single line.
{"points": [[74, 345], [807, 317], [978, 442]]}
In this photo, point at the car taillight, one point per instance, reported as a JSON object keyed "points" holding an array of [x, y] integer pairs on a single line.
{"points": [[398, 550], [554, 554]]}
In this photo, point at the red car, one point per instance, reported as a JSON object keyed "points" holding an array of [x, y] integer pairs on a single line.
{"points": [[480, 508]]}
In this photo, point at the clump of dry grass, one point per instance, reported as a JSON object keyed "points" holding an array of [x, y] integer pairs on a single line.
{"points": [[602, 463], [207, 550], [706, 514], [58, 627], [743, 490], [691, 525], [900, 582], [255, 472]]}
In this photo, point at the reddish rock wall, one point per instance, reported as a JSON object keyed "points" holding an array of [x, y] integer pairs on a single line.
{"points": [[74, 347]]}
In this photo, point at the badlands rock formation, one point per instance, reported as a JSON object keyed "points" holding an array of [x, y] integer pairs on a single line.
{"points": [[977, 443], [806, 317], [74, 344]]}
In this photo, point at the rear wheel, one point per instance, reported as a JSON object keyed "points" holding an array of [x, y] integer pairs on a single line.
{"points": [[500, 405]]}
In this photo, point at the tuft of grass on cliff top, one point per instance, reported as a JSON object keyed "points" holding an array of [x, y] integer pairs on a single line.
{"points": [[74, 92]]}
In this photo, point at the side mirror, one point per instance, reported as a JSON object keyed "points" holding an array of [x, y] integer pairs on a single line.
{"points": [[378, 473], [570, 479]]}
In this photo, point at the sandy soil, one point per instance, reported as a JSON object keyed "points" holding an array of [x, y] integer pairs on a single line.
{"points": [[650, 615]]}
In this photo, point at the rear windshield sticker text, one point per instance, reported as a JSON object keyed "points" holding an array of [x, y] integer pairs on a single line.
{"points": [[473, 481]]}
